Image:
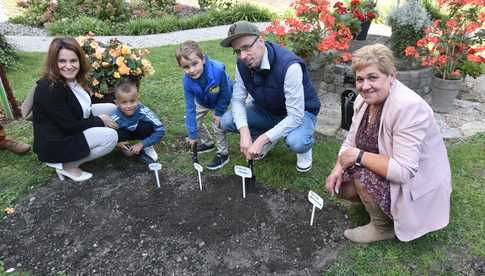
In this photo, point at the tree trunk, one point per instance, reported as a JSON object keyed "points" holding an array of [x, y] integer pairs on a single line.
{"points": [[8, 89]]}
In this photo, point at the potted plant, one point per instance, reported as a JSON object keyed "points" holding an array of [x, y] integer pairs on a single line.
{"points": [[408, 22], [358, 14], [112, 63], [314, 34], [449, 46]]}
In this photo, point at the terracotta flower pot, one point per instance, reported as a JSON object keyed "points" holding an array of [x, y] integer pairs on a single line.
{"points": [[443, 94]]}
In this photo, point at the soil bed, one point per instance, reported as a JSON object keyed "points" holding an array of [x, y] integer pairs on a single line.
{"points": [[118, 223]]}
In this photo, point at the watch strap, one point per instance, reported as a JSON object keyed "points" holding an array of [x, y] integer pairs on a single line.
{"points": [[358, 161]]}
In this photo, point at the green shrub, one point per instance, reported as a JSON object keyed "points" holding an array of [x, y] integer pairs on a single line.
{"points": [[8, 56], [407, 23], [80, 26], [155, 6], [33, 13], [433, 11], [164, 24], [215, 4]]}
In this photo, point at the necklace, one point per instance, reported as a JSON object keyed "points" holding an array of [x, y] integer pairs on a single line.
{"points": [[372, 115]]}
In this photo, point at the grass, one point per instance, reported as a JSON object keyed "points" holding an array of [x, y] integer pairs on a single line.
{"points": [[449, 251]]}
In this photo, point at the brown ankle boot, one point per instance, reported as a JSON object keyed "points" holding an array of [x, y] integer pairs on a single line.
{"points": [[379, 228], [14, 146]]}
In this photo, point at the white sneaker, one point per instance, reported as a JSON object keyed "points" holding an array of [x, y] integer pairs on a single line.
{"points": [[304, 161], [150, 151], [266, 148]]}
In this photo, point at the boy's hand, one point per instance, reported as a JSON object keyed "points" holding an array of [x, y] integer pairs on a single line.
{"points": [[192, 141], [216, 120], [137, 148]]}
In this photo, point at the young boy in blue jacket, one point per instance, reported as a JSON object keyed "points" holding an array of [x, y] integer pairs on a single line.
{"points": [[207, 87], [135, 122]]}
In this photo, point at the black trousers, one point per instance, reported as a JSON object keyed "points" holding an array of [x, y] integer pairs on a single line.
{"points": [[142, 131]]}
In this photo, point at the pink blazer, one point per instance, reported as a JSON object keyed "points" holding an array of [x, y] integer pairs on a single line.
{"points": [[418, 170]]}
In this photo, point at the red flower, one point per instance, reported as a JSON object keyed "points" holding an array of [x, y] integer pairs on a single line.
{"points": [[410, 51], [474, 58]]}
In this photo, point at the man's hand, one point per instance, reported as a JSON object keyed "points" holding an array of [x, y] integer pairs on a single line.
{"points": [[347, 158], [245, 142], [257, 147], [334, 180], [123, 145], [137, 148]]}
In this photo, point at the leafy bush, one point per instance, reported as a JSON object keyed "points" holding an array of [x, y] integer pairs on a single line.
{"points": [[164, 24], [168, 23], [433, 11], [39, 12], [105, 10], [80, 26], [34, 13], [407, 22], [8, 57], [156, 6], [217, 4]]}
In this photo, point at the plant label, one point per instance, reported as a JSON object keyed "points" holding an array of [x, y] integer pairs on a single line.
{"points": [[317, 201], [243, 171], [156, 167], [198, 167]]}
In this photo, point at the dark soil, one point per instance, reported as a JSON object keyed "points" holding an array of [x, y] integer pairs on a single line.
{"points": [[118, 223]]}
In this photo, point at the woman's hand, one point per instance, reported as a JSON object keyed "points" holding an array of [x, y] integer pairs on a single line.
{"points": [[347, 158], [108, 122], [334, 180]]}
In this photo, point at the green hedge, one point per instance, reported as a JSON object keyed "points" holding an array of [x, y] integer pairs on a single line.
{"points": [[169, 23]]}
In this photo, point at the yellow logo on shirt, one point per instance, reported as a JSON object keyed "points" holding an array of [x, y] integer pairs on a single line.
{"points": [[214, 89]]}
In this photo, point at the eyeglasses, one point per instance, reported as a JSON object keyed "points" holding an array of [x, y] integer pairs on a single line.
{"points": [[244, 48]]}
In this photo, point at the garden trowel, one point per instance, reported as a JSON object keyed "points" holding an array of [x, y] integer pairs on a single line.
{"points": [[197, 166]]}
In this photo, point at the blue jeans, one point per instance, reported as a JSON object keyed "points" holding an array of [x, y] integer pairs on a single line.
{"points": [[299, 140]]}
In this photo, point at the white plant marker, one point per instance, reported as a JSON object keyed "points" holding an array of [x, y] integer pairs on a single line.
{"points": [[199, 169], [317, 201], [156, 167], [243, 172]]}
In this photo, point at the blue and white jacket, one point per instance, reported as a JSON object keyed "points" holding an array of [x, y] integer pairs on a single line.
{"points": [[212, 90], [142, 113]]}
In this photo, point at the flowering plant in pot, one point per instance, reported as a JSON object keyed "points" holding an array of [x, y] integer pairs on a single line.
{"points": [[358, 14], [112, 63], [451, 45], [313, 33]]}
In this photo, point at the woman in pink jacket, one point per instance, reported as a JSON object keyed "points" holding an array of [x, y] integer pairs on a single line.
{"points": [[393, 159]]}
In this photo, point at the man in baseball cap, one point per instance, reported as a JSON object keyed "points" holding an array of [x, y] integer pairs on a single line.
{"points": [[284, 105]]}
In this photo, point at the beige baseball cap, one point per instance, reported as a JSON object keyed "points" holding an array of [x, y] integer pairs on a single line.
{"points": [[237, 30]]}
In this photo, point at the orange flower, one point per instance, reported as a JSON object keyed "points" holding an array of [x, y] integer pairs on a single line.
{"points": [[124, 70]]}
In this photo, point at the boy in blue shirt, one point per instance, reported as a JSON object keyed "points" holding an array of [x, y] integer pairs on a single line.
{"points": [[135, 122], [207, 87]]}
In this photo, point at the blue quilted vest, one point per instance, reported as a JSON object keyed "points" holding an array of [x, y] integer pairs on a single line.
{"points": [[267, 86]]}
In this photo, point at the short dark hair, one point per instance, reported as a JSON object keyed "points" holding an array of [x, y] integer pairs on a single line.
{"points": [[125, 87], [186, 49]]}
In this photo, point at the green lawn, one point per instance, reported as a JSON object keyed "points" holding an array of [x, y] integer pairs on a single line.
{"points": [[450, 251]]}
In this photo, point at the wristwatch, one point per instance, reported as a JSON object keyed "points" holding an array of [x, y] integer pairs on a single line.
{"points": [[358, 161]]}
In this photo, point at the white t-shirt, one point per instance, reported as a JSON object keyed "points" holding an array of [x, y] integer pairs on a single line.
{"points": [[82, 96]]}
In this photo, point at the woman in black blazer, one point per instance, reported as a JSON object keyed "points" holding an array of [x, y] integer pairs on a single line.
{"points": [[68, 130]]}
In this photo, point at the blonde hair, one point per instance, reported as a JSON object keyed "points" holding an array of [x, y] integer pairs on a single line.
{"points": [[376, 54], [125, 87], [186, 49]]}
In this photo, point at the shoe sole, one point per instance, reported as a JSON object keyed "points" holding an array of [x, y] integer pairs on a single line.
{"points": [[220, 166], [207, 150], [303, 170]]}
